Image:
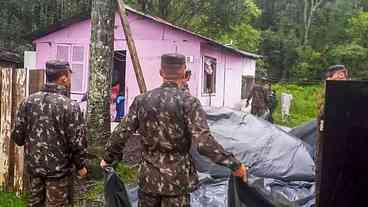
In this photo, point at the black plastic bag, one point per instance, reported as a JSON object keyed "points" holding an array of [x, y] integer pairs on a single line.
{"points": [[115, 193]]}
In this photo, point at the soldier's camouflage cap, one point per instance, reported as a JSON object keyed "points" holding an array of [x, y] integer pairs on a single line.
{"points": [[57, 65], [173, 59]]}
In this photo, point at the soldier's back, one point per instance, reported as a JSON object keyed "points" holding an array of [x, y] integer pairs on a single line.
{"points": [[166, 145], [46, 143]]}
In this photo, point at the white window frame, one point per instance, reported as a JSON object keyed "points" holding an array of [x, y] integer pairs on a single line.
{"points": [[71, 62], [203, 92]]}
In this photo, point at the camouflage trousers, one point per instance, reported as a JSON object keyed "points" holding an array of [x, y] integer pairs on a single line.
{"points": [[148, 200], [49, 192]]}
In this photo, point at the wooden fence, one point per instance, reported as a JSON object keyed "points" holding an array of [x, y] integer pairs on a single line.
{"points": [[14, 86]]}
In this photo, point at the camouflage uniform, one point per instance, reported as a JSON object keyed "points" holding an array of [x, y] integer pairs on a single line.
{"points": [[51, 128], [185, 88], [170, 121], [260, 100]]}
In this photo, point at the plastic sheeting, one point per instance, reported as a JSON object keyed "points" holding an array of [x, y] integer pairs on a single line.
{"points": [[281, 167], [115, 193], [308, 133], [269, 151]]}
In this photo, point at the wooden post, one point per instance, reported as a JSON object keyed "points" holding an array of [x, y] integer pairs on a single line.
{"points": [[131, 46], [16, 156], [36, 80], [5, 127]]}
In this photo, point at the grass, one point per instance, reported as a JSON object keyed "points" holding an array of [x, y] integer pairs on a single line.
{"points": [[11, 200], [304, 104], [127, 174]]}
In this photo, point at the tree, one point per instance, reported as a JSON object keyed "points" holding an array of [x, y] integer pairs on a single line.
{"points": [[101, 63], [310, 8]]}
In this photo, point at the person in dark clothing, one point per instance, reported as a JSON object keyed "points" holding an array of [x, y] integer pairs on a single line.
{"points": [[260, 100], [338, 73], [51, 128], [171, 121]]}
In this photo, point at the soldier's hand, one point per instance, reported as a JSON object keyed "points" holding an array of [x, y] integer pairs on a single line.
{"points": [[242, 173], [103, 164], [82, 172]]}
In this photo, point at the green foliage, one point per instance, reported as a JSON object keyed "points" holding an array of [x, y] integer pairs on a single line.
{"points": [[304, 104], [308, 65], [244, 36], [354, 56], [128, 174], [96, 191], [359, 29], [11, 200]]}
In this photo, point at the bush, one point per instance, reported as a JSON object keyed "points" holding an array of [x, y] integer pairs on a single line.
{"points": [[304, 104], [11, 200]]}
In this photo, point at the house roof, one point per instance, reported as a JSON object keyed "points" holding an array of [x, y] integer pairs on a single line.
{"points": [[73, 20], [9, 56]]}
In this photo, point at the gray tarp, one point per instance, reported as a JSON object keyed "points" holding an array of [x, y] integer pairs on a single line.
{"points": [[308, 133]]}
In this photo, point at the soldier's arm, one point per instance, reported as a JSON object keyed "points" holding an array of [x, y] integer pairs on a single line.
{"points": [[251, 94], [126, 128], [76, 132], [203, 140], [20, 129]]}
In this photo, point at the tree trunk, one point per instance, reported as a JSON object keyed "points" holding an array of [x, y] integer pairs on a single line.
{"points": [[99, 92], [310, 7]]}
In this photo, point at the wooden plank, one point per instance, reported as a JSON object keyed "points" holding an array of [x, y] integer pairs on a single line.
{"points": [[131, 46], [5, 127], [16, 155], [36, 80]]}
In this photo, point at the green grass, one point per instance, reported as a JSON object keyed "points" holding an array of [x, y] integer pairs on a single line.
{"points": [[304, 104], [11, 200]]}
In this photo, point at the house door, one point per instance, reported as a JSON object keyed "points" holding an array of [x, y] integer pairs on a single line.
{"points": [[118, 83]]}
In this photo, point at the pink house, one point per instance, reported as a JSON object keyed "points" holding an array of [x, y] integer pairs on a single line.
{"points": [[217, 69]]}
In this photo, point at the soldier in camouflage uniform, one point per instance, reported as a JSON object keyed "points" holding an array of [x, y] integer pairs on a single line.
{"points": [[260, 100], [51, 128], [335, 72], [170, 121]]}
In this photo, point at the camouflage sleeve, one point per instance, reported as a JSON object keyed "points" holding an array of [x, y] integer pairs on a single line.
{"points": [[76, 133], [126, 128], [203, 140], [251, 94], [19, 131]]}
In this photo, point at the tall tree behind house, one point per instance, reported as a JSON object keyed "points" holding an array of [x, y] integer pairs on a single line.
{"points": [[101, 63]]}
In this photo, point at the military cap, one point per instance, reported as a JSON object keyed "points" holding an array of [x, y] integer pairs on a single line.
{"points": [[332, 69], [173, 59], [57, 65]]}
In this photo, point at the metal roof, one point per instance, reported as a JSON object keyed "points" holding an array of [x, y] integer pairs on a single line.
{"points": [[73, 20], [9, 56]]}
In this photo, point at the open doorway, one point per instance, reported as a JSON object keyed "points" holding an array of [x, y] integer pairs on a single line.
{"points": [[118, 86]]}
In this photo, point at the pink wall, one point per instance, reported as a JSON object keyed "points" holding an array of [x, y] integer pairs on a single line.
{"points": [[152, 40]]}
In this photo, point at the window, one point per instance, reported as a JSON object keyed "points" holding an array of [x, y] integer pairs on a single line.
{"points": [[75, 55], [209, 75]]}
